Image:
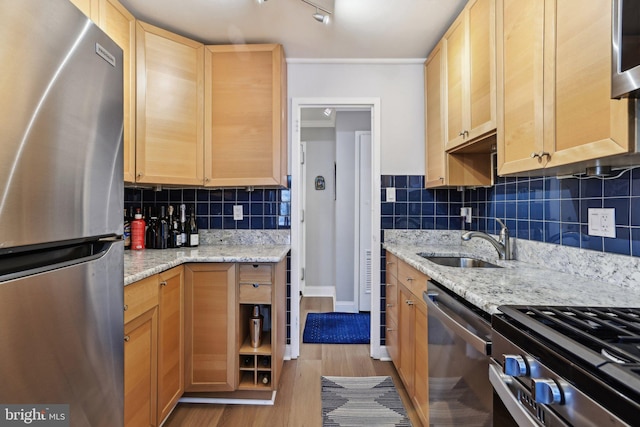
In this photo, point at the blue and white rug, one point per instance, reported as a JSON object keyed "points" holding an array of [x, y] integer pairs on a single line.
{"points": [[337, 328], [361, 401]]}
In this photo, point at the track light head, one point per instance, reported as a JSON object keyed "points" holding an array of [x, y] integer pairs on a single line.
{"points": [[321, 17]]}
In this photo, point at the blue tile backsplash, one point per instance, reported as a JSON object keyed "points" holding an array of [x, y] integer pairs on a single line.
{"points": [[263, 209], [547, 209]]}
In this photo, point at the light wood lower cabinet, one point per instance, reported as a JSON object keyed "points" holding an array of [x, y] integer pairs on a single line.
{"points": [[409, 351], [170, 340], [210, 331], [153, 352], [141, 353]]}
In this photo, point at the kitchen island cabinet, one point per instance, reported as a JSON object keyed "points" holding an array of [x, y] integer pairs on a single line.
{"points": [[554, 69], [245, 116], [169, 116]]}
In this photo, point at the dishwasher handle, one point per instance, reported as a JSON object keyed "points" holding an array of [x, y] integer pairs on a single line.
{"points": [[439, 311]]}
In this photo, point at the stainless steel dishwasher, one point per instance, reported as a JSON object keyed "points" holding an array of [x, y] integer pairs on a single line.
{"points": [[459, 337]]}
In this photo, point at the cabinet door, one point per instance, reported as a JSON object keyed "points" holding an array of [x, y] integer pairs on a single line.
{"points": [[406, 302], [120, 25], [170, 109], [520, 47], [210, 327], [435, 149], [245, 115], [86, 6], [482, 68], [588, 123], [140, 370], [170, 341], [456, 63], [421, 362]]}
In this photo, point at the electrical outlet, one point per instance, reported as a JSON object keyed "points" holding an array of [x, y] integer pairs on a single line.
{"points": [[466, 214], [238, 215], [602, 222], [391, 194]]}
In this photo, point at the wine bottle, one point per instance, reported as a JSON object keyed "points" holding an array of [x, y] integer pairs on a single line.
{"points": [[137, 231], [192, 229], [264, 378], [163, 229], [174, 239], [183, 225], [152, 230], [126, 230]]}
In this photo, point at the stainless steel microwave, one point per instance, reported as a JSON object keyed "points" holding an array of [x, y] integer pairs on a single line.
{"points": [[625, 49]]}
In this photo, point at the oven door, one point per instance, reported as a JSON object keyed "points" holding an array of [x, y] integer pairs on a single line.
{"points": [[513, 404]]}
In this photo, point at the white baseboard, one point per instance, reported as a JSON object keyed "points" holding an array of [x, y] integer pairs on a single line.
{"points": [[320, 291], [346, 306]]}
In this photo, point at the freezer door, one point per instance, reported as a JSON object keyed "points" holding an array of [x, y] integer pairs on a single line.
{"points": [[61, 117], [61, 338]]}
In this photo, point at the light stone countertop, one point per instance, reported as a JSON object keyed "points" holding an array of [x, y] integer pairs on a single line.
{"points": [[518, 283], [142, 264], [215, 246]]}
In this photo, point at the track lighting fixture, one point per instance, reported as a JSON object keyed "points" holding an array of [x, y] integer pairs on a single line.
{"points": [[322, 13]]}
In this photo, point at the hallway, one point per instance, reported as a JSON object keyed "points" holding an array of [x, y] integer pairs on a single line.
{"points": [[298, 400]]}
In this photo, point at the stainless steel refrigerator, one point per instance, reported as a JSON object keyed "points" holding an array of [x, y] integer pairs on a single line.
{"points": [[61, 207]]}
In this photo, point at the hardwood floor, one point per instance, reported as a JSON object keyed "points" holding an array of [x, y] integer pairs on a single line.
{"points": [[298, 400]]}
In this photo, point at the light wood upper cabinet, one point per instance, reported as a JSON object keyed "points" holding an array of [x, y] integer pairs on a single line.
{"points": [[245, 116], [86, 6], [470, 64], [170, 340], [169, 116], [210, 327], [120, 25], [554, 69], [442, 168]]}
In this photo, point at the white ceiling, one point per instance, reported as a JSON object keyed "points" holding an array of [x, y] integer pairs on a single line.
{"points": [[360, 29]]}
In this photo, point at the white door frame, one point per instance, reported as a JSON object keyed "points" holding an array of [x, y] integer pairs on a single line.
{"points": [[296, 209], [360, 269]]}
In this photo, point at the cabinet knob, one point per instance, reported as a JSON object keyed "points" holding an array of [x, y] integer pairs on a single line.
{"points": [[163, 283], [390, 262], [464, 133], [389, 305], [410, 279], [139, 175], [207, 179], [409, 302], [255, 285], [390, 330], [127, 338], [126, 307]]}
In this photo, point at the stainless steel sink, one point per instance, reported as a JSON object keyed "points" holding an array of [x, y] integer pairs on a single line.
{"points": [[458, 261]]}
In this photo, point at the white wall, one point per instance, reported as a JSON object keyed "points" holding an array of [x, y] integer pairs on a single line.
{"points": [[400, 88], [319, 212]]}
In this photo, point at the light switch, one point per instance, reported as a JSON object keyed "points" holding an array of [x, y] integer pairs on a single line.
{"points": [[391, 194], [238, 215]]}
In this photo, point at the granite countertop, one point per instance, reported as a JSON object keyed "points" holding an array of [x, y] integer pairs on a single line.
{"points": [[215, 246], [517, 283], [141, 264]]}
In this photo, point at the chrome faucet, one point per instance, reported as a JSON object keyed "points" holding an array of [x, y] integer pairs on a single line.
{"points": [[502, 245]]}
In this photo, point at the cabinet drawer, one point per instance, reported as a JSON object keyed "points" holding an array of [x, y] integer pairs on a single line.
{"points": [[254, 293], [414, 280], [255, 273], [140, 297]]}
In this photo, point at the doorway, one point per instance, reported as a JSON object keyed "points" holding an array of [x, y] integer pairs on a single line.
{"points": [[359, 164]]}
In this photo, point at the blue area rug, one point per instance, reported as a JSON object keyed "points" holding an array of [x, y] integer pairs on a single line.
{"points": [[337, 328]]}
